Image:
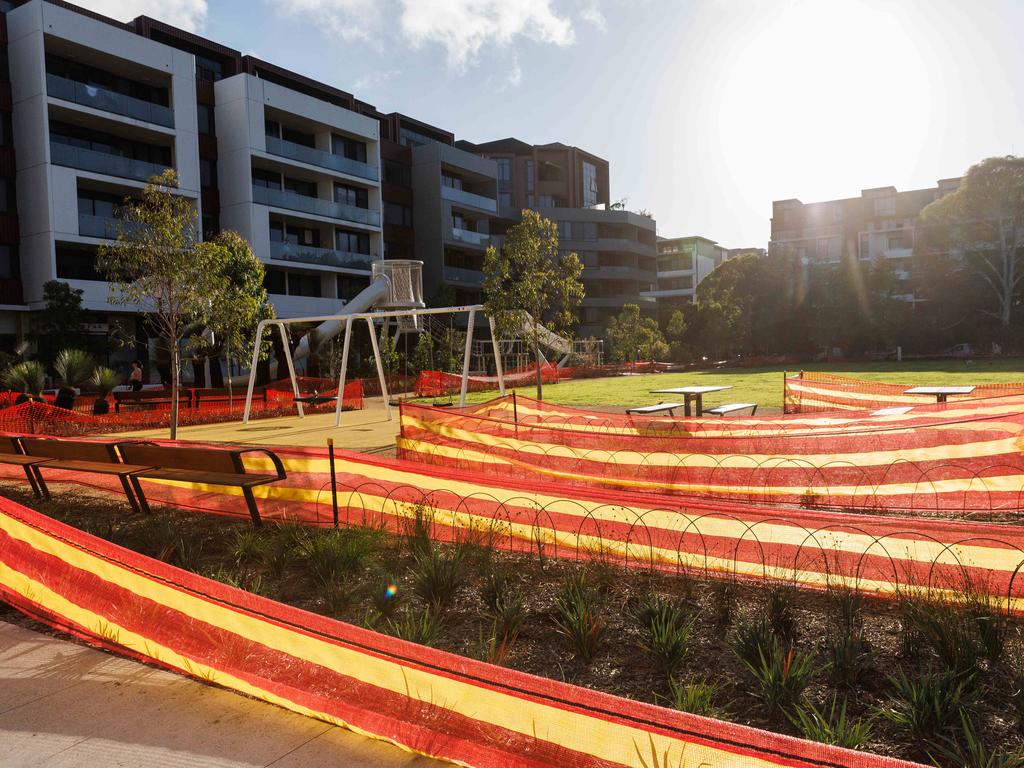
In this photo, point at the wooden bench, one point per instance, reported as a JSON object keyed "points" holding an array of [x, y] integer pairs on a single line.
{"points": [[221, 395], [647, 410], [147, 398], [722, 410], [13, 454], [205, 466], [81, 456]]}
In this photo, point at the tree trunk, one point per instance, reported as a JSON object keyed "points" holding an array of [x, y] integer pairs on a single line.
{"points": [[227, 364], [175, 379], [540, 378]]}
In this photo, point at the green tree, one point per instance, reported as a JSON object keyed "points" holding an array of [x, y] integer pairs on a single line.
{"points": [[630, 334], [529, 285], [980, 227], [159, 264], [389, 358], [242, 303], [423, 356], [60, 323], [675, 334]]}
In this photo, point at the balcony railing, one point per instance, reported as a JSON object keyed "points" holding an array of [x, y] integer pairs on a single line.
{"points": [[108, 101], [280, 198], [469, 237], [463, 197], [103, 162], [464, 276], [326, 257], [618, 301], [303, 154]]}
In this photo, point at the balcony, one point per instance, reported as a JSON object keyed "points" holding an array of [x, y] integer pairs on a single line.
{"points": [[469, 199], [643, 299], [617, 273], [108, 101], [103, 162], [280, 198], [665, 293], [480, 239], [623, 245], [898, 253], [321, 159], [103, 227], [324, 257], [462, 276]]}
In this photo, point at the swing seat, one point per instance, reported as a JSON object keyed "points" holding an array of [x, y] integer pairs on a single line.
{"points": [[315, 399]]}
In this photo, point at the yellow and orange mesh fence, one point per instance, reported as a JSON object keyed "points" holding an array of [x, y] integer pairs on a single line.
{"points": [[806, 547], [425, 700], [43, 418], [937, 459], [816, 392]]}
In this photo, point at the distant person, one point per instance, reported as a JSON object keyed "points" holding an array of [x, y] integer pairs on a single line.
{"points": [[135, 377]]}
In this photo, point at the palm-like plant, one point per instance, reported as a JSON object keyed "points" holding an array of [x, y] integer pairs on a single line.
{"points": [[74, 366], [104, 379], [27, 377]]}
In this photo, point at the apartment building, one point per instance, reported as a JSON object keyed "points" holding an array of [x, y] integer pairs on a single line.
{"points": [[728, 254], [682, 263], [880, 224]]}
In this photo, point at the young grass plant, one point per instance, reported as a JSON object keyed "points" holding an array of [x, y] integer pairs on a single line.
{"points": [[417, 626], [437, 575], [849, 656], [832, 725], [970, 751], [948, 630], [578, 616], [927, 706], [782, 674], [668, 630], [697, 698], [337, 553]]}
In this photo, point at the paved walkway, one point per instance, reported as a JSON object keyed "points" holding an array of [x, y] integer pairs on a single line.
{"points": [[63, 704]]}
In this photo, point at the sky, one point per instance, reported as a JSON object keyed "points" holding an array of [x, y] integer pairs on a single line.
{"points": [[707, 110]]}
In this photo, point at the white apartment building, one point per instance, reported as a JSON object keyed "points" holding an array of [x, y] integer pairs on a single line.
{"points": [[300, 180], [682, 263]]}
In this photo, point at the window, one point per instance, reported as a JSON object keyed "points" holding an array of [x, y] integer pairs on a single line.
{"points": [[102, 79], [208, 70], [97, 141], [207, 173], [397, 173], [350, 148], [550, 171], [76, 263], [885, 206], [276, 231], [410, 138], [397, 214], [302, 236], [268, 179], [529, 175], [899, 241], [356, 196], [864, 246], [274, 280], [823, 250], [272, 128], [300, 284], [505, 199], [296, 136], [504, 169], [453, 182], [352, 242], [93, 203], [350, 285], [211, 225], [10, 267], [6, 132], [590, 189], [300, 187], [7, 204], [545, 201], [204, 115]]}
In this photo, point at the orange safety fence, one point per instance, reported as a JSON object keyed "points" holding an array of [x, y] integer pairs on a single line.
{"points": [[810, 548], [956, 458], [42, 418], [425, 700], [816, 392]]}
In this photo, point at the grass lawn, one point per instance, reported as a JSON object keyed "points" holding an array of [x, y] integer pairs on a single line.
{"points": [[764, 385]]}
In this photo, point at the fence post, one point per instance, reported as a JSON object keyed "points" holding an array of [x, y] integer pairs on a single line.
{"points": [[334, 483]]}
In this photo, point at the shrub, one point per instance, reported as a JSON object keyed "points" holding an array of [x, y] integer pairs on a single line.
{"points": [[386, 597], [417, 626], [991, 627], [928, 706], [779, 612], [495, 586], [948, 631], [832, 725], [74, 366], [696, 698], [437, 576], [751, 640], [577, 616], [847, 608], [494, 646], [781, 674], [849, 656], [337, 553], [723, 598], [668, 635], [249, 546], [28, 377]]}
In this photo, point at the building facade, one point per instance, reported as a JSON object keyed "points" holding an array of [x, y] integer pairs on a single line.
{"points": [[682, 263], [320, 183], [881, 224]]}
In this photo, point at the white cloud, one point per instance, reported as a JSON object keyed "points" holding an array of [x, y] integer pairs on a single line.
{"points": [[349, 19], [594, 16], [187, 14]]}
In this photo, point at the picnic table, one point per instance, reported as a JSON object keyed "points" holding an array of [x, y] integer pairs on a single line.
{"points": [[691, 395], [941, 393]]}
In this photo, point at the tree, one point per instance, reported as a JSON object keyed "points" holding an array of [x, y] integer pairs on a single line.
{"points": [[159, 264], [980, 227], [242, 304], [423, 356], [529, 284], [61, 322], [389, 358], [629, 334]]}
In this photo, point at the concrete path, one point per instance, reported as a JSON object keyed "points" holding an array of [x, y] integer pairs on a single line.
{"points": [[63, 704]]}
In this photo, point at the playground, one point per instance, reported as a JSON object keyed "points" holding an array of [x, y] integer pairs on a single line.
{"points": [[445, 562]]}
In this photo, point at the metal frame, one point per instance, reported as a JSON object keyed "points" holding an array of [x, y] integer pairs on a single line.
{"points": [[349, 321]]}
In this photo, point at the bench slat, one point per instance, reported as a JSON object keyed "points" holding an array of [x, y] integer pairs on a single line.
{"points": [[721, 410], [656, 408]]}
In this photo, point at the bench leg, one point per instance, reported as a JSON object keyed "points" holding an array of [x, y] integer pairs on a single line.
{"points": [[140, 496], [32, 481], [44, 491], [250, 500], [754, 412], [129, 494]]}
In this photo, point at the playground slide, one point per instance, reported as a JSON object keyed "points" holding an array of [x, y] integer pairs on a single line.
{"points": [[549, 339], [363, 301]]}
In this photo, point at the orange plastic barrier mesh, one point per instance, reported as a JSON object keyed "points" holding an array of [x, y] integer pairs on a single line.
{"points": [[816, 392], [425, 700], [806, 547], [955, 458]]}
